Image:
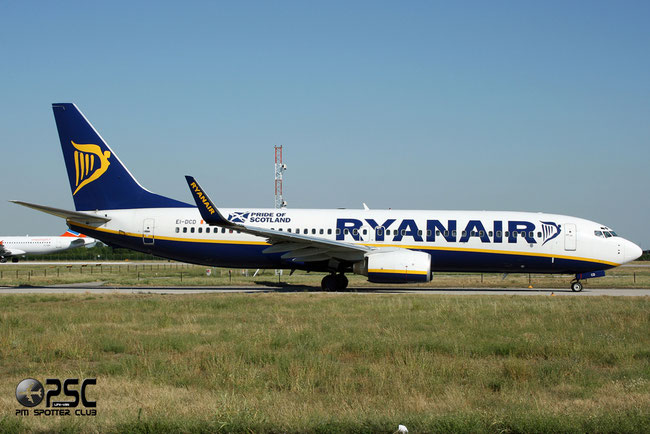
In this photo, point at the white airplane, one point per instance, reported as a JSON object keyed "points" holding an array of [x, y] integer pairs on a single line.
{"points": [[389, 246], [13, 247]]}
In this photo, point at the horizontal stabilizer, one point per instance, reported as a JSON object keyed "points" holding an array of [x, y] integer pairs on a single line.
{"points": [[72, 215]]}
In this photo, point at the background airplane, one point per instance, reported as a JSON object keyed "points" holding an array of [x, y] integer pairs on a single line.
{"points": [[389, 246], [13, 247]]}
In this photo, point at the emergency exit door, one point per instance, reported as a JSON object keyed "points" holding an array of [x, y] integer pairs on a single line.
{"points": [[148, 231]]}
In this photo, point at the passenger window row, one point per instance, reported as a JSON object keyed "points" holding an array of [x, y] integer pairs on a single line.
{"points": [[200, 230], [380, 232], [313, 231]]}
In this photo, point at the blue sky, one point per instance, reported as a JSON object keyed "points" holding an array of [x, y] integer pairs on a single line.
{"points": [[535, 106]]}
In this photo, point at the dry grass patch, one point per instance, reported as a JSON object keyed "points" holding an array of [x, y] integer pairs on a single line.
{"points": [[299, 362]]}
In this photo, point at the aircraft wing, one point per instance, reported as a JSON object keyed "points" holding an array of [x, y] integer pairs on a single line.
{"points": [[297, 247], [4, 252], [68, 215], [305, 248]]}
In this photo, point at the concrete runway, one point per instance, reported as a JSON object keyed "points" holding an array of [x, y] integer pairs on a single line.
{"points": [[86, 288]]}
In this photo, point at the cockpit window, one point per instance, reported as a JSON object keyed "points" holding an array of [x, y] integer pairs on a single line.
{"points": [[605, 233]]}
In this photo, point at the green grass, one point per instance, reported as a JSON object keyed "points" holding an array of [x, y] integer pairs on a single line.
{"points": [[302, 362], [176, 274]]}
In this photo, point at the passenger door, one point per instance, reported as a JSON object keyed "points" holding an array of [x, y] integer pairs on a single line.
{"points": [[570, 237]]}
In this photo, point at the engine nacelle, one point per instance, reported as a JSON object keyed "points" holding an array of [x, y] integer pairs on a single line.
{"points": [[396, 266]]}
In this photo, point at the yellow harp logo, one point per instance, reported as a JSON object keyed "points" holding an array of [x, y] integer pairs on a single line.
{"points": [[89, 164]]}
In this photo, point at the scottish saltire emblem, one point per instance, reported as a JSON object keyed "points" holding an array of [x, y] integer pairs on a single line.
{"points": [[238, 217], [90, 162], [550, 230]]}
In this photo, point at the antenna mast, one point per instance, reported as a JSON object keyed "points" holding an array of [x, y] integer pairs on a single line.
{"points": [[279, 170]]}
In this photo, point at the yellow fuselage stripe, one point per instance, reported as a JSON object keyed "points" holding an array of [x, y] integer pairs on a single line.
{"points": [[157, 237], [398, 271]]}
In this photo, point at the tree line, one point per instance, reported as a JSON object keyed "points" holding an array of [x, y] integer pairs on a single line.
{"points": [[99, 252]]}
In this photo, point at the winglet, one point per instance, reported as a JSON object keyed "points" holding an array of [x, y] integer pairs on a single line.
{"points": [[208, 210]]}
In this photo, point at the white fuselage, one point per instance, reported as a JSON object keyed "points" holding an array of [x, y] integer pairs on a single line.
{"points": [[456, 240], [40, 245]]}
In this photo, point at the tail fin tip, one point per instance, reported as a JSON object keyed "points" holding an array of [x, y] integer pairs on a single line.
{"points": [[98, 179]]}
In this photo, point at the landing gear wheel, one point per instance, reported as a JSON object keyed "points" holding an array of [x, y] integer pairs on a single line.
{"points": [[3, 260], [341, 282], [328, 283], [14, 259], [334, 282], [576, 286]]}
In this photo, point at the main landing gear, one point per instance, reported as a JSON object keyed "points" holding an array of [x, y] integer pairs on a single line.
{"points": [[576, 286], [334, 282]]}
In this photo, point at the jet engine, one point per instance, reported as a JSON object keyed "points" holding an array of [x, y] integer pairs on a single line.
{"points": [[395, 266]]}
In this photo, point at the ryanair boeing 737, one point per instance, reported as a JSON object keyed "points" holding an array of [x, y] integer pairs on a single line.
{"points": [[387, 246]]}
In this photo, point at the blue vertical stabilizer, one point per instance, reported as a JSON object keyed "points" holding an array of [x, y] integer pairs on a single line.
{"points": [[98, 179]]}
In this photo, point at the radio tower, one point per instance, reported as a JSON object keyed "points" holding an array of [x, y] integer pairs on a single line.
{"points": [[279, 170]]}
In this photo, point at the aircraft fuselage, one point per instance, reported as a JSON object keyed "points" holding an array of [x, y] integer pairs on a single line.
{"points": [[488, 241]]}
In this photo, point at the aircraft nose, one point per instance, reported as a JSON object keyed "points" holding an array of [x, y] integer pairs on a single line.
{"points": [[632, 252]]}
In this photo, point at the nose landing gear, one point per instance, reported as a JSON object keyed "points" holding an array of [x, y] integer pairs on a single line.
{"points": [[334, 282], [576, 286]]}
